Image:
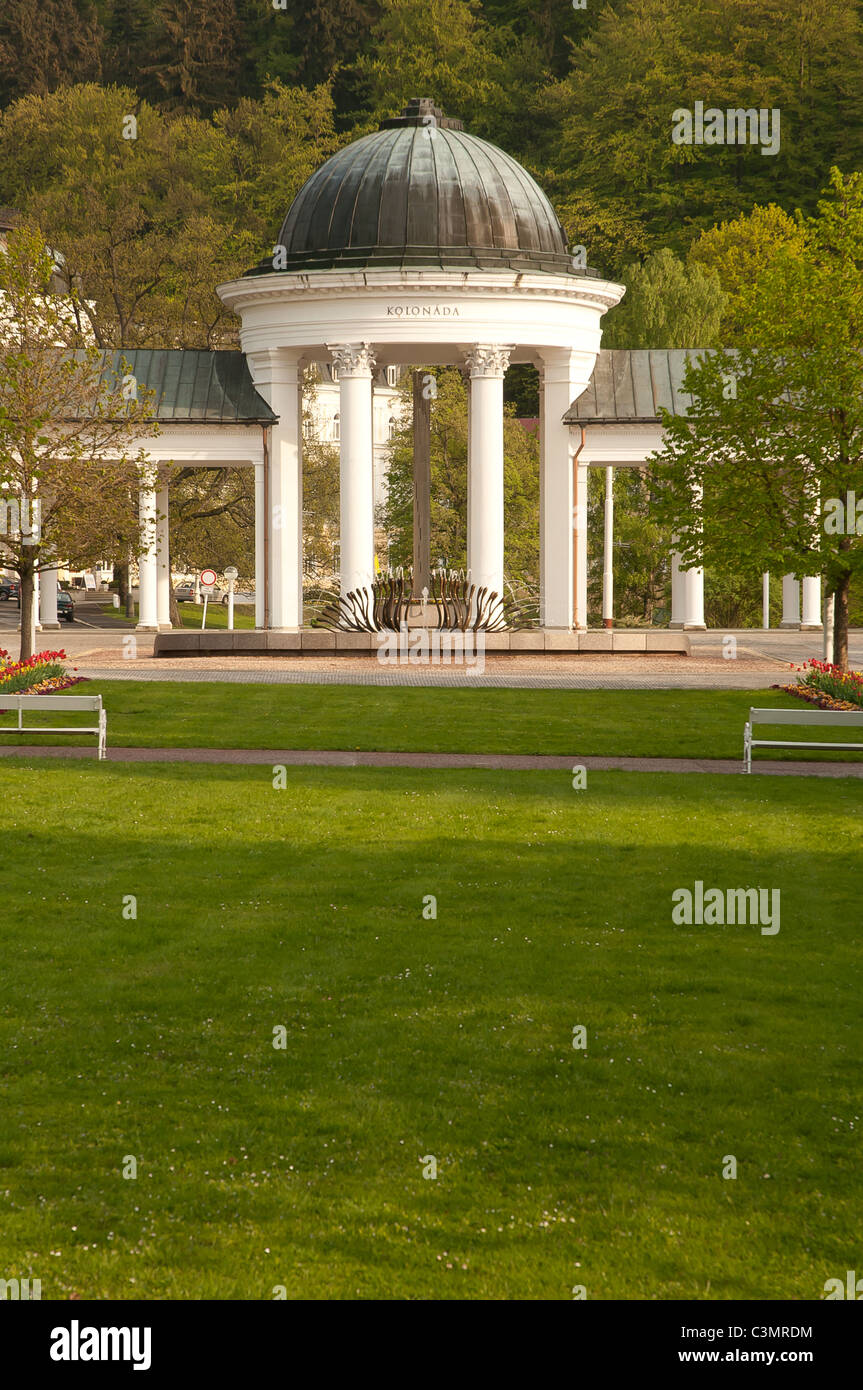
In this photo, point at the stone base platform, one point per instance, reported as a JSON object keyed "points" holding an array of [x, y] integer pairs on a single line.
{"points": [[315, 641]]}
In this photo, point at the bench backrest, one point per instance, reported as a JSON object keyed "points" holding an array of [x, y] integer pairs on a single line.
{"points": [[837, 717], [25, 702]]}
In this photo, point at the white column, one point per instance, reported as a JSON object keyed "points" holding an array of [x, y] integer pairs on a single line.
{"points": [[148, 615], [277, 375], [790, 601], [563, 376], [356, 362], [765, 600], [579, 546], [693, 602], [608, 551], [163, 551], [260, 547], [48, 586], [486, 365], [678, 592], [811, 619]]}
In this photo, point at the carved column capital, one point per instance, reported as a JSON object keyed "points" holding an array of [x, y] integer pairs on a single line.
{"points": [[353, 359], [487, 359]]}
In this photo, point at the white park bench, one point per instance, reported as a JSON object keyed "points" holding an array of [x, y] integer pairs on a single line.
{"points": [[809, 718], [89, 703]]}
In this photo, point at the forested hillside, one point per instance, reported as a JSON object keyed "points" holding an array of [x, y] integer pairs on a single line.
{"points": [[236, 101]]}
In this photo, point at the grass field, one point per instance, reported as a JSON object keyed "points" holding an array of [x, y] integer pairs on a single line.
{"points": [[192, 613], [628, 723], [408, 1038]]}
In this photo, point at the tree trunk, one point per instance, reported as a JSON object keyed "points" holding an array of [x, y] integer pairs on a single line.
{"points": [[26, 576], [122, 574], [130, 598], [421, 486], [173, 605], [840, 621]]}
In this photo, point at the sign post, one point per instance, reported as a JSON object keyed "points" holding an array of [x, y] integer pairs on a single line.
{"points": [[231, 574], [208, 579]]}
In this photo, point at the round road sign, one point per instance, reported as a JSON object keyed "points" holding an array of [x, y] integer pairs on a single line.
{"points": [[208, 577]]}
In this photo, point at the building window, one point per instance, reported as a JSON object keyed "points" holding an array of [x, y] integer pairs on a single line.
{"points": [[392, 376], [337, 427], [393, 426]]}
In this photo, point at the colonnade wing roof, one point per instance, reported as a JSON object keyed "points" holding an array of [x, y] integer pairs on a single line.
{"points": [[630, 386], [194, 386]]}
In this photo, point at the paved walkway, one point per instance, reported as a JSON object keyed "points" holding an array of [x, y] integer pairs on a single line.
{"points": [[762, 659], [497, 762]]}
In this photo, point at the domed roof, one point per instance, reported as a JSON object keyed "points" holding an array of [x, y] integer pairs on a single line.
{"points": [[418, 192]]}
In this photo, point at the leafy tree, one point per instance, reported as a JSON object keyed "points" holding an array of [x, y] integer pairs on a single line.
{"points": [[321, 487], [67, 435], [254, 158], [738, 251], [212, 519], [609, 231], [437, 48], [650, 57], [667, 305], [138, 239], [449, 488], [642, 545], [776, 432]]}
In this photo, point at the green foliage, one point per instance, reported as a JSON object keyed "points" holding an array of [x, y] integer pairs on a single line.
{"points": [[667, 305], [52, 385], [642, 578], [439, 48], [777, 429], [149, 225], [739, 251], [650, 57], [43, 46], [449, 430]]}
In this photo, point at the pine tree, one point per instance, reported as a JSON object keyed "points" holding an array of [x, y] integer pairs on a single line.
{"points": [[196, 47], [47, 46]]}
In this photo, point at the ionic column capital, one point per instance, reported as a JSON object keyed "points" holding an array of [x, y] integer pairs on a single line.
{"points": [[487, 359], [353, 359]]}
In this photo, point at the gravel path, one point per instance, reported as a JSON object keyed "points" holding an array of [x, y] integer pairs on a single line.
{"points": [[498, 762]]}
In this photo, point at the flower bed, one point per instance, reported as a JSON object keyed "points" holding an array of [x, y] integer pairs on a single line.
{"points": [[41, 674], [827, 686]]}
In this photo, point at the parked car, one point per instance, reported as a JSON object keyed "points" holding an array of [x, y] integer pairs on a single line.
{"points": [[65, 606], [9, 589], [185, 593]]}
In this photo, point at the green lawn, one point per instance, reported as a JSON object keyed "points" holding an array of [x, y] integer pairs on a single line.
{"points": [[409, 1037], [192, 613], [217, 615], [633, 723]]}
